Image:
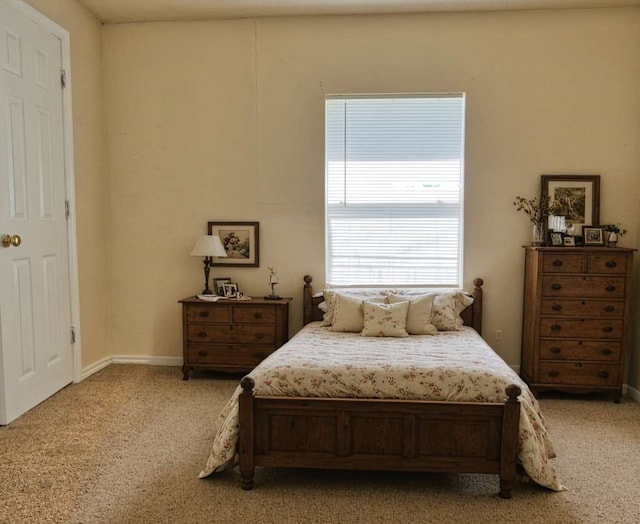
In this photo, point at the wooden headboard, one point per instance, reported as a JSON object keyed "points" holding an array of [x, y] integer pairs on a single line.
{"points": [[472, 315]]}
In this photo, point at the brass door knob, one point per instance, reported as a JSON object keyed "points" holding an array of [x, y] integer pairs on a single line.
{"points": [[11, 240]]}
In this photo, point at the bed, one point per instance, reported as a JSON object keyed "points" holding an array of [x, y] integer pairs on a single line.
{"points": [[302, 408]]}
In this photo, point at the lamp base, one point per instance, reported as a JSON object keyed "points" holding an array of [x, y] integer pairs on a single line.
{"points": [[272, 297]]}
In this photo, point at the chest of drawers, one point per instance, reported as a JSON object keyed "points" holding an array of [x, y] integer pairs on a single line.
{"points": [[576, 317], [232, 336]]}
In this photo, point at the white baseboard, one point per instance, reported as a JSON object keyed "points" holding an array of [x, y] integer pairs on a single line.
{"points": [[633, 393], [129, 359]]}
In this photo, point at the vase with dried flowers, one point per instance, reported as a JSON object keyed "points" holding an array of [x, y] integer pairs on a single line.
{"points": [[612, 233], [537, 211]]}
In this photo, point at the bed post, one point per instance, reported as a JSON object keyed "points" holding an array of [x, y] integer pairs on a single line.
{"points": [[509, 444], [476, 307], [307, 300], [246, 437]]}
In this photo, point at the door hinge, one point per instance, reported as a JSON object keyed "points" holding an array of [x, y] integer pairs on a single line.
{"points": [[63, 78], [73, 335], [67, 209]]}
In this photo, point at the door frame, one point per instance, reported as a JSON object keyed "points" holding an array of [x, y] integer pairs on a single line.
{"points": [[69, 174]]}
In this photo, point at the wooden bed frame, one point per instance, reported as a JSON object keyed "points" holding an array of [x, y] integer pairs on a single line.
{"points": [[378, 434]]}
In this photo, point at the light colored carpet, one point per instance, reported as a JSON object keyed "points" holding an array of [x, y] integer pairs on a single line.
{"points": [[126, 446]]}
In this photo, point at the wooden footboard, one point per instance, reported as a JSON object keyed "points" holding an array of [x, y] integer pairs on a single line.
{"points": [[374, 434]]}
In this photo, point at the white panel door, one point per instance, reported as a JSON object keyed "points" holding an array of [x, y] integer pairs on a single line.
{"points": [[36, 353]]}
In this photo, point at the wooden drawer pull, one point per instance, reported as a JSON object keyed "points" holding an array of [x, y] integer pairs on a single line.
{"points": [[557, 263], [609, 309], [610, 288], [555, 349], [605, 351], [204, 314], [202, 353], [556, 327], [202, 334], [259, 336], [556, 307], [257, 315], [611, 264], [554, 373], [556, 287], [603, 374], [607, 329]]}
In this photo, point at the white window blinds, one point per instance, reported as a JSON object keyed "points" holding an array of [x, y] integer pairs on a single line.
{"points": [[394, 175]]}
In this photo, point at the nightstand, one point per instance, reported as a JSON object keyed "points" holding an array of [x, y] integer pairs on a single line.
{"points": [[231, 335]]}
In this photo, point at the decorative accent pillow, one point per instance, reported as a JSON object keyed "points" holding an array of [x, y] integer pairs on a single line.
{"points": [[447, 308], [347, 313], [330, 296], [420, 309], [385, 320]]}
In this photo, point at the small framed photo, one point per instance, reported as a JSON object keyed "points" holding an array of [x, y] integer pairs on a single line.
{"points": [[556, 239], [219, 285], [240, 241], [569, 241], [593, 236], [230, 289]]}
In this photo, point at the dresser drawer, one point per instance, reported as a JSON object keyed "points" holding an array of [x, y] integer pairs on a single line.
{"points": [[254, 315], [208, 314], [561, 263], [580, 350], [233, 334], [238, 355], [584, 308], [578, 286], [581, 328], [609, 264], [578, 374]]}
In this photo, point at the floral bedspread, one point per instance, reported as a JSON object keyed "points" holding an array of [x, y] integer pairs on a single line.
{"points": [[453, 366]]}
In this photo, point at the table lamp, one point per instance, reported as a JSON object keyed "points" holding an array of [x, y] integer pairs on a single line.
{"points": [[208, 246]]}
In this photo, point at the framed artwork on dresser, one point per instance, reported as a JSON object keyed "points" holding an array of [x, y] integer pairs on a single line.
{"points": [[575, 197], [593, 236]]}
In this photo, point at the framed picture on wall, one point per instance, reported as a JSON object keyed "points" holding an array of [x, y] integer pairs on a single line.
{"points": [[575, 197], [240, 241]]}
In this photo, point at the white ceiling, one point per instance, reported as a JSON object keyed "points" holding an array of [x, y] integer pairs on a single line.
{"points": [[119, 11]]}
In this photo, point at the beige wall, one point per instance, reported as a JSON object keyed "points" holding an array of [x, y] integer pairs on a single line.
{"points": [[90, 180], [224, 120]]}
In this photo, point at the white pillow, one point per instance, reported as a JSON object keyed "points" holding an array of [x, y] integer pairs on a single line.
{"points": [[420, 309], [330, 296], [385, 320], [447, 308]]}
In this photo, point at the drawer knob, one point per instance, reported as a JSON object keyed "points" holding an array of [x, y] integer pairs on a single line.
{"points": [[555, 349], [556, 286], [610, 288], [202, 334], [611, 264], [557, 263], [556, 307], [609, 309], [556, 327], [553, 373], [202, 353], [257, 315], [607, 329], [603, 374], [204, 314], [605, 351], [260, 336]]}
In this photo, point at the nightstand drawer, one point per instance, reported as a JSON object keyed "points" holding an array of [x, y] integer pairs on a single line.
{"points": [[578, 374], [580, 350], [586, 308], [580, 328], [247, 356], [579, 286], [208, 314], [230, 333], [254, 315]]}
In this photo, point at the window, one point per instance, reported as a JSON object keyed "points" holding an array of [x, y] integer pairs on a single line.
{"points": [[394, 190]]}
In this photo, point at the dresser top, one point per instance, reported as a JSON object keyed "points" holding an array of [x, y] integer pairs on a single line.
{"points": [[255, 301], [580, 249]]}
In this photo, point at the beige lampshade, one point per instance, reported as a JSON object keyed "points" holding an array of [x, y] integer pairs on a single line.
{"points": [[208, 246]]}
